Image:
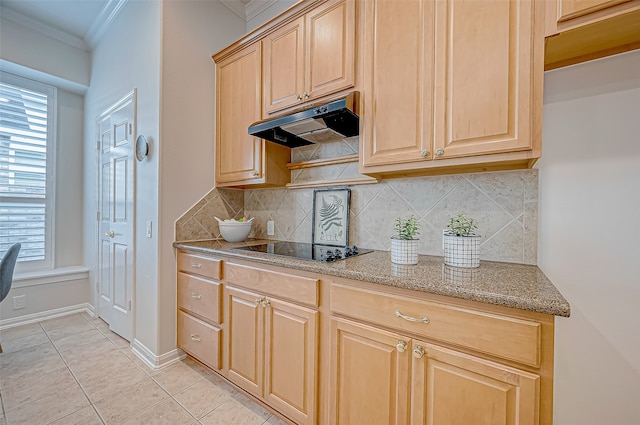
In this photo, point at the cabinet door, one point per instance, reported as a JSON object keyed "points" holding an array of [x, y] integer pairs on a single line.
{"points": [[452, 388], [484, 72], [239, 156], [244, 348], [397, 77], [369, 376], [330, 48], [569, 9], [291, 360], [283, 65]]}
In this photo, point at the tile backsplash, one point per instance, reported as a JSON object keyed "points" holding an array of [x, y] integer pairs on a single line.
{"points": [[504, 203]]}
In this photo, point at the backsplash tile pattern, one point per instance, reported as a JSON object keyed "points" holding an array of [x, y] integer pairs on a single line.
{"points": [[199, 223], [505, 205]]}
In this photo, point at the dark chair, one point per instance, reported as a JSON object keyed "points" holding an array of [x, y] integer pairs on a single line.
{"points": [[7, 264]]}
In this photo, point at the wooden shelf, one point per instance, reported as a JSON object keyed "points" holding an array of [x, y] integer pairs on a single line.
{"points": [[338, 182], [322, 162]]}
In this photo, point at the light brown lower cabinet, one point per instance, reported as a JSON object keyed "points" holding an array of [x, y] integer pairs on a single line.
{"points": [[272, 351], [321, 350], [381, 377]]}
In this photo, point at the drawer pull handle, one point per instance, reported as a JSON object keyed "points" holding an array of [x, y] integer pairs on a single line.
{"points": [[196, 265], [196, 296], [424, 320], [195, 337], [418, 352]]}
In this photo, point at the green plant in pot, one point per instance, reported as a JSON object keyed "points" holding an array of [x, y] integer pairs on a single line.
{"points": [[404, 245], [460, 242]]}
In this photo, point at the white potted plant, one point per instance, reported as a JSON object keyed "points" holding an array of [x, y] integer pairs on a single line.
{"points": [[404, 245], [460, 242]]}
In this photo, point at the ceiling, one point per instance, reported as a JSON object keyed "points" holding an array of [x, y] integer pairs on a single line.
{"points": [[81, 23]]}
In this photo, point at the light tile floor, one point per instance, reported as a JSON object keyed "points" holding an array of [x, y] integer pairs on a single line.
{"points": [[73, 371]]}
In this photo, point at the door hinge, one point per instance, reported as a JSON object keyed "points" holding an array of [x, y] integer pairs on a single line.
{"points": [[98, 215], [130, 128], [97, 145], [129, 305], [97, 286]]}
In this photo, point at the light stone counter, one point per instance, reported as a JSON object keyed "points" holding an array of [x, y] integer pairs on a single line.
{"points": [[512, 285]]}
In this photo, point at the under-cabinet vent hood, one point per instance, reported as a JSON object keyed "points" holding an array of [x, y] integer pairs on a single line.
{"points": [[319, 123]]}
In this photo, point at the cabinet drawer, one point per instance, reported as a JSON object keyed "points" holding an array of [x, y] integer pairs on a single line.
{"points": [[200, 296], [290, 287], [199, 339], [502, 336], [198, 264]]}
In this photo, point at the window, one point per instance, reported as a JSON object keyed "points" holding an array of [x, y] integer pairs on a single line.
{"points": [[27, 142]]}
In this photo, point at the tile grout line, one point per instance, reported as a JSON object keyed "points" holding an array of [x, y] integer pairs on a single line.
{"points": [[74, 376]]}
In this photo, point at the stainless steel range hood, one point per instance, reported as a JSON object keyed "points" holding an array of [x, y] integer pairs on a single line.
{"points": [[319, 123]]}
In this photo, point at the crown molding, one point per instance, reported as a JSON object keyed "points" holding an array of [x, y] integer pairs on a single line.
{"points": [[103, 21], [255, 7], [250, 10], [45, 29]]}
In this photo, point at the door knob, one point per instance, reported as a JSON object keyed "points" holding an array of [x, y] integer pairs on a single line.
{"points": [[418, 352], [109, 234]]}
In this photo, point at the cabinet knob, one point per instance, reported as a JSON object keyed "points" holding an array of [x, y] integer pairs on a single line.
{"points": [[306, 95], [109, 234], [401, 346], [425, 153], [259, 300], [256, 174], [418, 352], [265, 302], [439, 151], [298, 97]]}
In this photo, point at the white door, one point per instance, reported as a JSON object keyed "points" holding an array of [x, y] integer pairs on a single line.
{"points": [[116, 216]]}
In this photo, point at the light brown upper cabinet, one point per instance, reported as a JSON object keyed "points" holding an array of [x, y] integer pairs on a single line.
{"points": [[309, 57], [455, 82], [240, 158], [582, 30]]}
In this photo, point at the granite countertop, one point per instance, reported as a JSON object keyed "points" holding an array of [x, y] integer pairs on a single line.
{"points": [[512, 285]]}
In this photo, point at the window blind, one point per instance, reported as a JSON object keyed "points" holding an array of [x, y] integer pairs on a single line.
{"points": [[23, 170]]}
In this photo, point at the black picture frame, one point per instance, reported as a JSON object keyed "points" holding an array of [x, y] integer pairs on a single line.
{"points": [[330, 221]]}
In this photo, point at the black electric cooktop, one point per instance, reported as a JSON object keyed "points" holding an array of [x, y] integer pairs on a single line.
{"points": [[307, 251]]}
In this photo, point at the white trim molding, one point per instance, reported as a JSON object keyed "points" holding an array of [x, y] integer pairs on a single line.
{"points": [[33, 24], [103, 21], [153, 361], [248, 10], [44, 277], [46, 315]]}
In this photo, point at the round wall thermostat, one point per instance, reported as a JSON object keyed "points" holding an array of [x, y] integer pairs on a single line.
{"points": [[142, 147]]}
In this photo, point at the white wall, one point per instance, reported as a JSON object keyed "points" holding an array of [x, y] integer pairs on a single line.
{"points": [[192, 32], [33, 55], [28, 48], [127, 58], [589, 233]]}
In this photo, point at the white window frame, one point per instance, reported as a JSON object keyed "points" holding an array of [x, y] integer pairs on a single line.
{"points": [[52, 106]]}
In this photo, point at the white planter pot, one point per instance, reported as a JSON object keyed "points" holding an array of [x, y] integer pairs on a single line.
{"points": [[404, 251], [461, 251]]}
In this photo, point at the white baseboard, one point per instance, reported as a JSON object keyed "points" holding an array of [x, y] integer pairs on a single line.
{"points": [[46, 315], [153, 361]]}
